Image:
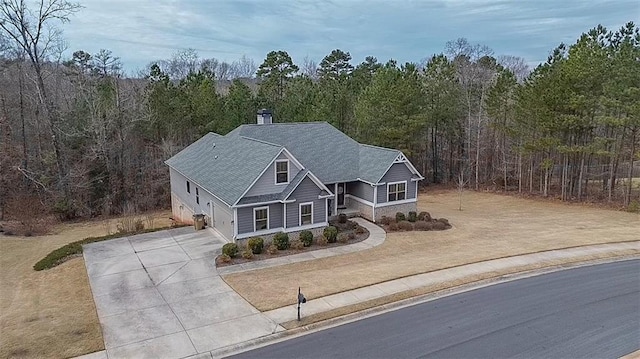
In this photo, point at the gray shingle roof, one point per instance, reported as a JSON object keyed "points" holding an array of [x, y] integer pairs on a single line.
{"points": [[224, 166], [328, 153], [277, 196], [375, 161], [237, 159]]}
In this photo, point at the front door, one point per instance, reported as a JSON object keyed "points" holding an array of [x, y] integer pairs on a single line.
{"points": [[340, 197]]}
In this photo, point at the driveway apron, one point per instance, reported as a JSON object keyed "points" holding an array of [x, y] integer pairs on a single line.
{"points": [[158, 295]]}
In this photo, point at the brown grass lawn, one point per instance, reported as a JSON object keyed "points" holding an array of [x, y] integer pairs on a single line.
{"points": [[51, 313], [489, 226]]}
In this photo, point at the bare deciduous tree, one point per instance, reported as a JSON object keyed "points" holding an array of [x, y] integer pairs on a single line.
{"points": [[32, 31]]}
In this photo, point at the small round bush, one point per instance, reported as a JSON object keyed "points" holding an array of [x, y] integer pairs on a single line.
{"points": [[405, 226], [297, 244], [256, 244], [400, 217], [424, 216], [247, 254], [393, 227], [422, 226], [444, 220], [342, 218], [306, 237], [343, 238], [281, 240], [385, 220], [439, 226], [225, 258], [230, 249], [322, 241], [272, 249], [412, 216], [360, 230], [331, 234], [351, 236]]}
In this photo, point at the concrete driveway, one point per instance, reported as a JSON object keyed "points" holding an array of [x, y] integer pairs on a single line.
{"points": [[158, 295]]}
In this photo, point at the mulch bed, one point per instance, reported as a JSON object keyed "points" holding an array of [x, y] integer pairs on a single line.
{"points": [[343, 228]]}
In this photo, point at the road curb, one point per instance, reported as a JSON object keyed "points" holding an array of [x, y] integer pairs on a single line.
{"points": [[384, 308]]}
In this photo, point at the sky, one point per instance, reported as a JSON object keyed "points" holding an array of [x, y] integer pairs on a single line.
{"points": [[141, 31]]}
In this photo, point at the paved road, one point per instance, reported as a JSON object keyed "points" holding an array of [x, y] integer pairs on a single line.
{"points": [[579, 313]]}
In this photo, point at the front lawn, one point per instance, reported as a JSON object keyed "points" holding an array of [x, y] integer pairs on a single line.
{"points": [[490, 226]]}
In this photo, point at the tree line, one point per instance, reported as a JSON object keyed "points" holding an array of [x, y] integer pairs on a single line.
{"points": [[80, 138]]}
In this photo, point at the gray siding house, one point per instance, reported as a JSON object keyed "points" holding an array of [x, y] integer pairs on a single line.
{"points": [[286, 177]]}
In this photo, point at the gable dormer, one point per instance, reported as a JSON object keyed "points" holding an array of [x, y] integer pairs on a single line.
{"points": [[276, 176]]}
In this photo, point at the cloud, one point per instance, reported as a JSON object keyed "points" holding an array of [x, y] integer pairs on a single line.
{"points": [[145, 30]]}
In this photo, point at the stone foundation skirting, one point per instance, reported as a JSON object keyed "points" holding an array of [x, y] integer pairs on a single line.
{"points": [[390, 211], [365, 210], [292, 235]]}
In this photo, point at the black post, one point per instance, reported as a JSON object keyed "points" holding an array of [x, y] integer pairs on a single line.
{"points": [[298, 303]]}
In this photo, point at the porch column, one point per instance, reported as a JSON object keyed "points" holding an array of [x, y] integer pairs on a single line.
{"points": [[375, 202], [335, 202]]}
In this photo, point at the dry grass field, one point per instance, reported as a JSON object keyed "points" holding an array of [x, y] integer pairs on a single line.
{"points": [[489, 226], [51, 313]]}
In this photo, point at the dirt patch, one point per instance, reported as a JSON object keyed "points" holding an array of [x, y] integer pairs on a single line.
{"points": [[490, 226], [50, 314]]}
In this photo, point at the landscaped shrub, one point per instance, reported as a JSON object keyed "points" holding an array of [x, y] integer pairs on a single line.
{"points": [[393, 227], [322, 241], [405, 226], [297, 244], [256, 244], [351, 236], [281, 240], [306, 237], [331, 234], [412, 216], [230, 249], [360, 230], [225, 258], [386, 220], [343, 238], [247, 253], [423, 226], [67, 251], [424, 216], [400, 216], [342, 218], [445, 221], [439, 226], [347, 225], [272, 249]]}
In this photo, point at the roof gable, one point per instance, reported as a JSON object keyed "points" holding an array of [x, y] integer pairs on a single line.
{"points": [[224, 166], [330, 154]]}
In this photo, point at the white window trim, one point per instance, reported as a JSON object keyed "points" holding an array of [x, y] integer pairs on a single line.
{"points": [[275, 172], [197, 196], [254, 218], [405, 191], [188, 187], [300, 213]]}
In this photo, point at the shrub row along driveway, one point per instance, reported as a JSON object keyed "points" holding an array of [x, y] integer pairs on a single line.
{"points": [[159, 295], [490, 226]]}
